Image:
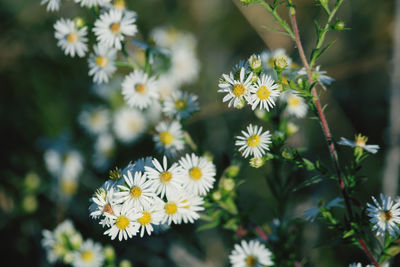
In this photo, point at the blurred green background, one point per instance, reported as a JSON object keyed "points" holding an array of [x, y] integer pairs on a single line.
{"points": [[42, 92]]}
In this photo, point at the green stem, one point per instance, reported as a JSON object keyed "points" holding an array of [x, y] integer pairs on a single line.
{"points": [[321, 38], [277, 18], [132, 63]]}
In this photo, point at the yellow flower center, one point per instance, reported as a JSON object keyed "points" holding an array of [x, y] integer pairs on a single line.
{"points": [[136, 192], [133, 125], [107, 208], [165, 177], [271, 61], [386, 215], [87, 256], [170, 208], [141, 88], [251, 261], [195, 173], [101, 61], [122, 222], [238, 90], [72, 37], [360, 140], [180, 104], [69, 187], [119, 4], [253, 140], [145, 219], [293, 101], [166, 138], [115, 28], [285, 80], [263, 92]]}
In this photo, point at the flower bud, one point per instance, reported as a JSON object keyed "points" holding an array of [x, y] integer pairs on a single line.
{"points": [[216, 195], [291, 128], [232, 171], [255, 62], [338, 26], [280, 63], [79, 22], [257, 162], [32, 181], [109, 253], [30, 204], [125, 263], [228, 184], [241, 104]]}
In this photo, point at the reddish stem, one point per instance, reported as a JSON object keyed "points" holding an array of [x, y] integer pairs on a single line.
{"points": [[326, 131]]}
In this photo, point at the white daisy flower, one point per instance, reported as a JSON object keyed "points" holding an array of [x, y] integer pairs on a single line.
{"points": [[167, 86], [139, 89], [52, 5], [89, 255], [254, 142], [311, 214], [180, 105], [104, 148], [165, 37], [92, 3], [185, 66], [112, 27], [237, 90], [129, 124], [60, 243], [268, 58], [251, 253], [103, 201], [193, 204], [198, 174], [101, 63], [94, 120], [71, 39], [165, 180], [318, 75], [169, 138], [137, 192], [120, 5], [264, 93], [296, 105], [385, 217], [359, 141], [173, 209], [141, 164], [124, 223], [151, 215]]}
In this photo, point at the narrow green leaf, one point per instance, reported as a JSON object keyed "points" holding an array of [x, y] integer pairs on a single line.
{"points": [[274, 29], [207, 226]]}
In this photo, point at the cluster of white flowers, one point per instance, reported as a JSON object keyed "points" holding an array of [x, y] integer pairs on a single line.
{"points": [[66, 167], [252, 253], [148, 195], [262, 81], [65, 244]]}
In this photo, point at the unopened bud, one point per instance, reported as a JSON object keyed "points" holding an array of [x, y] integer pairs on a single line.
{"points": [[257, 162], [109, 253], [280, 63], [32, 181], [216, 195], [79, 22], [125, 263], [255, 62], [291, 128], [287, 154], [228, 184], [338, 25], [232, 171], [241, 104], [30, 203]]}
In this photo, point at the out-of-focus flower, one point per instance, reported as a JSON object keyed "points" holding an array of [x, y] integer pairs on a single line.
{"points": [[251, 253]]}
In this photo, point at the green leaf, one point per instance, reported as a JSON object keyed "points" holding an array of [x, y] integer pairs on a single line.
{"points": [[229, 205], [207, 226], [308, 182], [205, 217], [231, 224], [348, 233], [274, 29]]}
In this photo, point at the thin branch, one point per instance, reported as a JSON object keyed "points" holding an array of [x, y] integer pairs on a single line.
{"points": [[326, 130]]}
